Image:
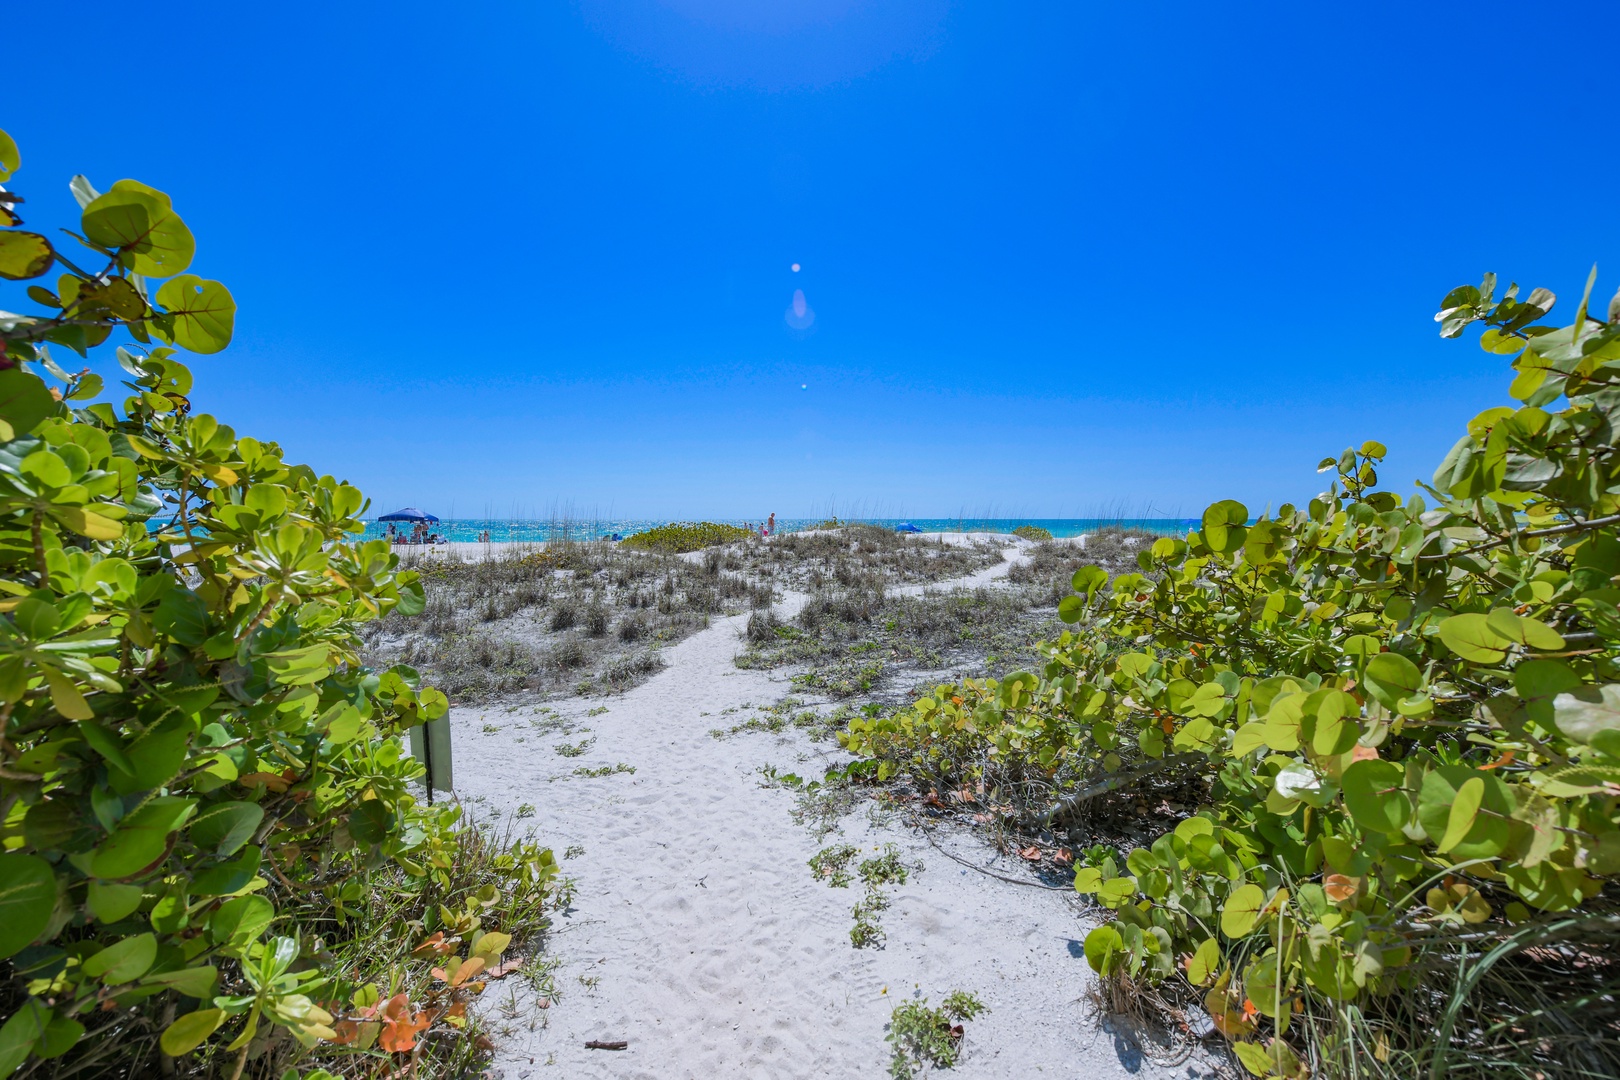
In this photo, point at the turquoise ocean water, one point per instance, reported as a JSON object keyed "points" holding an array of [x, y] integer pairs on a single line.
{"points": [[539, 532]]}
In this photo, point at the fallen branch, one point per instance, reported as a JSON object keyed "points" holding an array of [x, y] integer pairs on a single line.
{"points": [[1067, 805], [598, 1044], [929, 836]]}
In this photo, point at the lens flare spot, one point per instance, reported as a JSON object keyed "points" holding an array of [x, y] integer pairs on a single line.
{"points": [[799, 315], [795, 268]]}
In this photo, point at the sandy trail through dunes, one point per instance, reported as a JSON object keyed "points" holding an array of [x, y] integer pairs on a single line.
{"points": [[698, 933]]}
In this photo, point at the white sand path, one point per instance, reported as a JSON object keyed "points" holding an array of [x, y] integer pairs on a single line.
{"points": [[704, 939]]}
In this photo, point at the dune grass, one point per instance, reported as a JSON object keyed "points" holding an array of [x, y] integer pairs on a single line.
{"points": [[566, 618]]}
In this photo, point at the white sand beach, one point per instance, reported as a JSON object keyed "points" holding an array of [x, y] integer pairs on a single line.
{"points": [[699, 935]]}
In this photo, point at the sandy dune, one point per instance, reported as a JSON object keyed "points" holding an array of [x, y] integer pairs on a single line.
{"points": [[699, 934]]}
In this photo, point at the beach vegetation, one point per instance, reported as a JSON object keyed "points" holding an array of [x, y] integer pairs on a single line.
{"points": [[832, 865], [1032, 532], [1395, 726], [680, 537], [856, 553], [867, 931], [924, 1038], [571, 618], [603, 770], [211, 853]]}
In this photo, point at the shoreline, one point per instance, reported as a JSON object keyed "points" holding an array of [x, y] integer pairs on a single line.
{"points": [[480, 551]]}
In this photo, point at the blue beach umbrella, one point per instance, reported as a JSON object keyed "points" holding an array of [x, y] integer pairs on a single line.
{"points": [[907, 527], [410, 513]]}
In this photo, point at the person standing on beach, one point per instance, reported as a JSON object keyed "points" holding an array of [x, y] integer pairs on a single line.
{"points": [[770, 526]]}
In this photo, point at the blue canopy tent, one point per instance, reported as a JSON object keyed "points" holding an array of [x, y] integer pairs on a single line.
{"points": [[419, 522], [410, 513], [906, 527]]}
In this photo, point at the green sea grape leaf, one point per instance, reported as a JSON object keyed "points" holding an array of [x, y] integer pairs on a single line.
{"points": [[1249, 738], [1282, 722], [1524, 630], [141, 839], [1547, 886], [27, 899], [1116, 891], [10, 162], [1443, 790], [200, 315], [140, 222], [191, 1031], [1204, 963], [108, 745], [183, 615], [25, 400], [490, 946], [224, 827], [154, 758], [369, 822], [1472, 637], [229, 877], [1374, 794], [240, 921], [1140, 861], [62, 1033], [1088, 579], [1194, 826], [1324, 724], [1538, 682], [1242, 910], [1254, 1058], [1260, 984], [1103, 945], [1464, 809], [24, 255], [123, 961], [195, 982], [21, 1032], [1224, 526], [110, 902], [53, 823]]}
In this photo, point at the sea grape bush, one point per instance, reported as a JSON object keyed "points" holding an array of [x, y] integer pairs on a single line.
{"points": [[1407, 711], [680, 537], [185, 727]]}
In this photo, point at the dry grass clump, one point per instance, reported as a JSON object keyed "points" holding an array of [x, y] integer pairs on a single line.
{"points": [[1048, 574], [569, 617], [857, 639], [847, 553], [860, 641]]}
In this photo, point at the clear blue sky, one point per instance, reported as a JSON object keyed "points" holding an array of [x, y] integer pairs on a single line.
{"points": [[1061, 257]]}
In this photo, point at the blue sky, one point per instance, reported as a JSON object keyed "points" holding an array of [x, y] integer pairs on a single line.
{"points": [[1062, 258]]}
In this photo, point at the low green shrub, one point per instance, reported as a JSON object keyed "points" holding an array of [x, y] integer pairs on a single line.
{"points": [[1407, 717], [682, 536], [1033, 532], [200, 782], [925, 1038]]}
